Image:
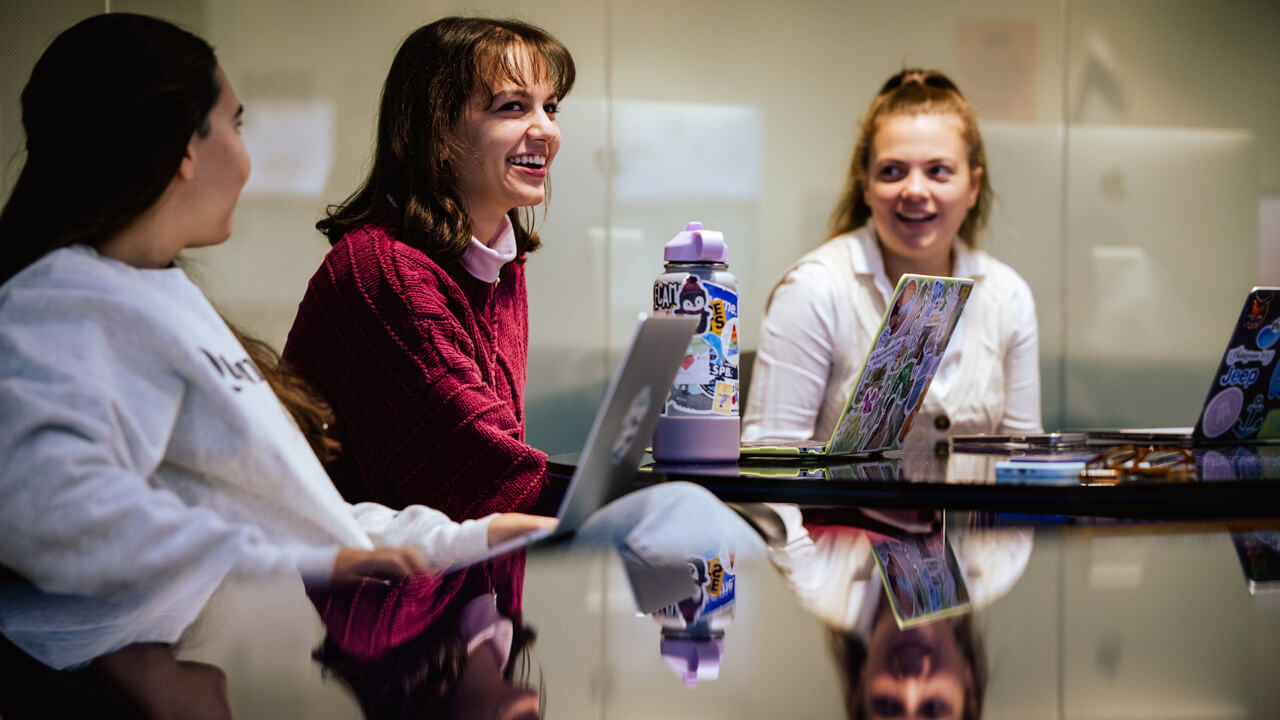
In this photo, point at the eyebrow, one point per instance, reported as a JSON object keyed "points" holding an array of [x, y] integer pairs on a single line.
{"points": [[511, 90], [519, 93]]}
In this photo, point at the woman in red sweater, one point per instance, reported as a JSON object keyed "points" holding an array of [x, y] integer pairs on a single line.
{"points": [[415, 327]]}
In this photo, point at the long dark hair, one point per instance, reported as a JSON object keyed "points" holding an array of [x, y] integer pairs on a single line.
{"points": [[914, 92], [413, 183], [108, 112], [420, 678]]}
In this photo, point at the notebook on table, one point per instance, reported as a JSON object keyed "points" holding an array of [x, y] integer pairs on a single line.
{"points": [[1243, 404], [890, 388], [621, 430]]}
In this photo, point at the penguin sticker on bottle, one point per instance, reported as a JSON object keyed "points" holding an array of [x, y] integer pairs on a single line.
{"points": [[700, 422]]}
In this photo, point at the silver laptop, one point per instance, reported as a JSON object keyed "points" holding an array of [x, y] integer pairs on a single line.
{"points": [[1243, 403], [914, 333], [622, 429]]}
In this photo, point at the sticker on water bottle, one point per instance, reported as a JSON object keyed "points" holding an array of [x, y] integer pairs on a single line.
{"points": [[707, 381]]}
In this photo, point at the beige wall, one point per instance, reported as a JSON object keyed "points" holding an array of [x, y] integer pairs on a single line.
{"points": [[1131, 145]]}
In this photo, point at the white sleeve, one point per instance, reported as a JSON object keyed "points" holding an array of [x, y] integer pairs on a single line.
{"points": [[1021, 364], [78, 515], [793, 363], [440, 542]]}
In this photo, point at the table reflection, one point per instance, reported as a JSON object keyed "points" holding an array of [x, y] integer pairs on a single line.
{"points": [[671, 603]]}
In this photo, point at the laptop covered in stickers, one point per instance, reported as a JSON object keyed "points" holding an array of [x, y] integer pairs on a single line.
{"points": [[890, 389], [1243, 404]]}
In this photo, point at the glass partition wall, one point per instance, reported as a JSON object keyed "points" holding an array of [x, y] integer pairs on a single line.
{"points": [[1131, 145]]}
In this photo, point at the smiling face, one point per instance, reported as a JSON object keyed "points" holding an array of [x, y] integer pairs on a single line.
{"points": [[919, 188], [511, 140]]}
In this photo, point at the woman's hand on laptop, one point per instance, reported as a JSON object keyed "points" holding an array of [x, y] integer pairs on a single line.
{"points": [[507, 526]]}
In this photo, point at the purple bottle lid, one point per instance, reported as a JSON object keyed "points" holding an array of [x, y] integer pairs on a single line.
{"points": [[697, 245], [693, 660]]}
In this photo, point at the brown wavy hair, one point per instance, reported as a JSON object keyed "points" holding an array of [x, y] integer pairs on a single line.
{"points": [[914, 92], [308, 409], [413, 183]]}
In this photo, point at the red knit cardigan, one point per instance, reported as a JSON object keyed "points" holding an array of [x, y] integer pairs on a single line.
{"points": [[424, 367]]}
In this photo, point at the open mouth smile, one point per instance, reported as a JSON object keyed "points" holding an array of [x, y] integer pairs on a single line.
{"points": [[531, 164], [915, 218]]}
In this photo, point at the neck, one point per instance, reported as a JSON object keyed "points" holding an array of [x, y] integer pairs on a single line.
{"points": [[145, 243], [896, 266], [484, 228]]}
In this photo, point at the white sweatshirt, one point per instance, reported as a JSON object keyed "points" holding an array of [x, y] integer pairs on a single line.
{"points": [[143, 458]]}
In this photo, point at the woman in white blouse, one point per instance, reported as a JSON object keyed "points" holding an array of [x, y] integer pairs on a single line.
{"points": [[917, 195]]}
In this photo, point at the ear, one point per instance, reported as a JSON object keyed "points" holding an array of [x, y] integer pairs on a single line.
{"points": [[975, 186], [187, 168]]}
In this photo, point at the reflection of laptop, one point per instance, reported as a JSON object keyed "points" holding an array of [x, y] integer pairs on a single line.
{"points": [[1259, 553], [622, 428], [921, 577], [890, 389], [1243, 404]]}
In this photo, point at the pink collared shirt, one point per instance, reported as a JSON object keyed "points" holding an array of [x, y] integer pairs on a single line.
{"points": [[485, 261]]}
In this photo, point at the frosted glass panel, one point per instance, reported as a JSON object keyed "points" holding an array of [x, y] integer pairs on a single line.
{"points": [[1162, 226], [1132, 146], [1172, 150]]}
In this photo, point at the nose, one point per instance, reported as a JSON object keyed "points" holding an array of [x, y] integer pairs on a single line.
{"points": [[915, 188], [543, 126]]}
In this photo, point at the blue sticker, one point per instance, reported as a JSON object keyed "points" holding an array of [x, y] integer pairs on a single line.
{"points": [[1242, 377], [1249, 423], [1268, 335]]}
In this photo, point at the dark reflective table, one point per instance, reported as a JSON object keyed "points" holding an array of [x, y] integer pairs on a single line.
{"points": [[677, 605], [671, 603], [1227, 482]]}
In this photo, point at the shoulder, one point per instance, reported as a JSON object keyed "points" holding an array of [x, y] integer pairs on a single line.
{"points": [[1001, 281], [96, 318], [832, 259], [838, 252], [76, 285], [371, 260]]}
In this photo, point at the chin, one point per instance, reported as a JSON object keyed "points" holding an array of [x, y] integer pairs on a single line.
{"points": [[531, 199]]}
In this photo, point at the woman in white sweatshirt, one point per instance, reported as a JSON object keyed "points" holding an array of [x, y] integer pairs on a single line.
{"points": [[145, 455]]}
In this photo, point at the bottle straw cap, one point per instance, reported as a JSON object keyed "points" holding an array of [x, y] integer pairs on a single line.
{"points": [[693, 659], [697, 245]]}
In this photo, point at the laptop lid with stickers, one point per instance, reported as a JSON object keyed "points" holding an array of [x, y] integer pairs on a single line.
{"points": [[1243, 404], [913, 335]]}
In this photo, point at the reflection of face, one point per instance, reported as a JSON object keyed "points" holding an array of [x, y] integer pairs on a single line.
{"points": [[920, 186], [511, 142], [221, 168], [917, 673]]}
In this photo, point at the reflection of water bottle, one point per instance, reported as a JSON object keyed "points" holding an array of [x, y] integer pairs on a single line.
{"points": [[700, 420], [693, 629]]}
